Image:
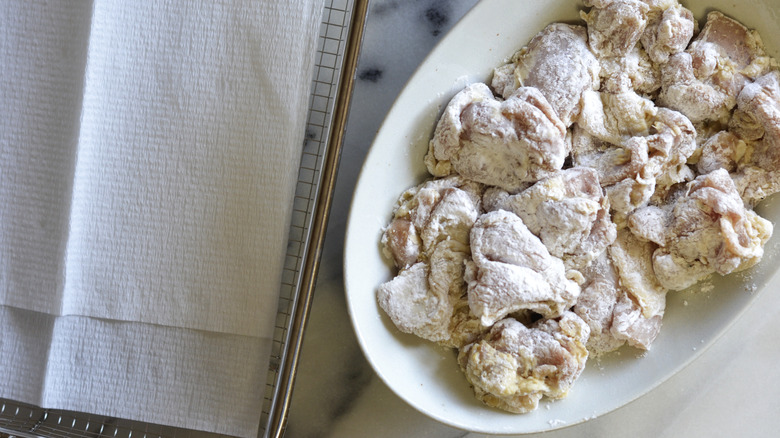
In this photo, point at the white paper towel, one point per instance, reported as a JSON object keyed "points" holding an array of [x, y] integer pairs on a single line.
{"points": [[148, 155], [24, 347], [43, 50], [185, 170], [200, 380]]}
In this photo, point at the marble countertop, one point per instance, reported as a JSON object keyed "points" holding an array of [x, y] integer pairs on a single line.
{"points": [[730, 390]]}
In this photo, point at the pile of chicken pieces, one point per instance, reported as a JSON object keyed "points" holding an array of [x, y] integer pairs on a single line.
{"points": [[605, 165]]}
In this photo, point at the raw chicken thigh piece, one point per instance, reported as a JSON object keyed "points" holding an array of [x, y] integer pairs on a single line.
{"points": [[569, 212], [558, 62], [502, 143], [629, 171], [620, 170], [615, 117], [632, 72], [614, 28], [618, 113], [650, 223], [758, 174], [465, 328], [513, 270], [430, 299], [413, 307], [754, 184], [428, 241], [630, 324], [703, 82], [706, 230], [443, 209], [596, 304], [514, 366], [733, 45], [673, 142], [633, 260], [668, 32], [612, 163], [613, 316], [721, 151], [426, 299], [683, 91]]}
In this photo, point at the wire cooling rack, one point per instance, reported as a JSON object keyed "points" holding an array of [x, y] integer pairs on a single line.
{"points": [[339, 40]]}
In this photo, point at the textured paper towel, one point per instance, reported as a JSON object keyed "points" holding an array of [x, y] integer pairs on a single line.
{"points": [[25, 337], [113, 367], [43, 49], [182, 194], [148, 155]]}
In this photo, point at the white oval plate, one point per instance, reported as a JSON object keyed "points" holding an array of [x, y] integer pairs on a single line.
{"points": [[426, 376]]}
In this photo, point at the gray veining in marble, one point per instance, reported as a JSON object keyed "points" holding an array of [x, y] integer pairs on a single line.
{"points": [[338, 395]]}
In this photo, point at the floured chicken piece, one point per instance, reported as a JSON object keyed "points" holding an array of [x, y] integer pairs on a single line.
{"points": [[721, 151], [512, 270], [758, 174], [672, 143], [429, 299], [501, 143], [669, 183], [569, 212], [703, 82], [633, 72], [465, 328], [641, 299], [428, 240], [706, 230], [437, 210], [413, 307], [630, 324], [616, 117], [668, 31], [558, 63], [697, 99], [614, 28], [629, 171], [633, 260], [613, 317], [597, 302], [743, 124], [514, 366], [620, 171]]}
